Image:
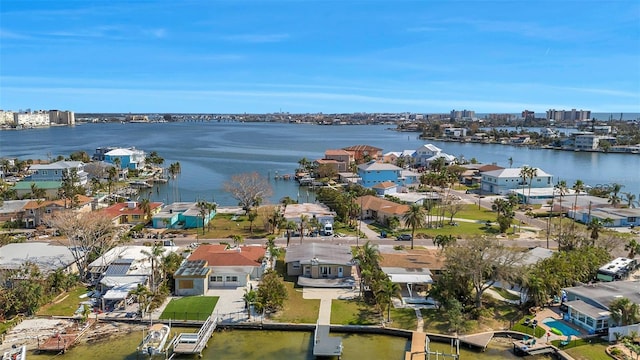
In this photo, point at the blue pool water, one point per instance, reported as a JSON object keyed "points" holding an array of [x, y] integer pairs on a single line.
{"points": [[566, 329]]}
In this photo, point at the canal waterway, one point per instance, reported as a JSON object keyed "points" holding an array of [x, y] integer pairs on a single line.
{"points": [[211, 152], [277, 345]]}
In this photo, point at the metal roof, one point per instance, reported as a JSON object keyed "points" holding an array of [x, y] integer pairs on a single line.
{"points": [[319, 254]]}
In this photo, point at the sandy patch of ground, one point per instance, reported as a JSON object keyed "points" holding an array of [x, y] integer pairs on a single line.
{"points": [[29, 331]]}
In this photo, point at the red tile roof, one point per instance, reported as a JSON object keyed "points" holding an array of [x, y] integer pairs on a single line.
{"points": [[219, 255], [335, 152], [82, 200], [120, 209]]}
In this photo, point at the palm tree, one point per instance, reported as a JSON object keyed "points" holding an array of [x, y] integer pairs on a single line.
{"points": [[290, 226], [142, 295], [237, 240], [633, 247], [145, 205], [614, 198], [629, 198], [414, 217], [386, 292], [596, 226], [442, 241], [112, 177], [304, 220], [562, 191], [577, 187], [624, 311], [250, 297], [531, 174], [252, 215], [174, 172], [524, 173], [155, 255]]}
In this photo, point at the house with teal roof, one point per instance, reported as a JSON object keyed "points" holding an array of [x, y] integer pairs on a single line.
{"points": [[182, 215]]}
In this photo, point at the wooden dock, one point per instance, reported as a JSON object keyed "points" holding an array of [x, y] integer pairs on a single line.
{"points": [[190, 343], [527, 347], [325, 345], [61, 342], [420, 348]]}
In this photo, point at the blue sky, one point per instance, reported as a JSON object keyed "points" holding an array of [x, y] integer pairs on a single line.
{"points": [[319, 56]]}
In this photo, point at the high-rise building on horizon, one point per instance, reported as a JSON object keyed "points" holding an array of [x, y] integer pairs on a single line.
{"points": [[568, 115]]}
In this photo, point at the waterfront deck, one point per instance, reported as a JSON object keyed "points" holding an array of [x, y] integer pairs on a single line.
{"points": [[529, 347], [190, 343], [325, 345], [418, 340], [420, 348], [61, 342]]}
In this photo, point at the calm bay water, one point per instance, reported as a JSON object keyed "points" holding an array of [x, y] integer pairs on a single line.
{"points": [[277, 345], [210, 152]]}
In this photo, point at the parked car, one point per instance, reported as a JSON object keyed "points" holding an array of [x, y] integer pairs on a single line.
{"points": [[404, 237]]}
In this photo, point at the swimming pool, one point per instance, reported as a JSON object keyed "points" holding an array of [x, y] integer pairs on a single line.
{"points": [[566, 329]]}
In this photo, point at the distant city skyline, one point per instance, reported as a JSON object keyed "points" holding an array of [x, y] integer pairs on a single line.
{"points": [[322, 56]]}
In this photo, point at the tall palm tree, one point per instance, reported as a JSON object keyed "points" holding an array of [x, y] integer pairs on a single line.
{"points": [[142, 295], [614, 198], [629, 198], [174, 172], [155, 255], [531, 174], [386, 292], [414, 217], [561, 187], [577, 187], [524, 173], [304, 220], [145, 206], [290, 226]]}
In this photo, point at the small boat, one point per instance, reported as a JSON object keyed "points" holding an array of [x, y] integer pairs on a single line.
{"points": [[155, 341], [140, 183], [16, 353]]}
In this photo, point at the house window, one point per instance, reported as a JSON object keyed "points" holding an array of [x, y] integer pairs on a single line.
{"points": [[295, 265], [55, 172], [232, 278], [632, 219], [44, 172], [216, 279], [325, 271]]}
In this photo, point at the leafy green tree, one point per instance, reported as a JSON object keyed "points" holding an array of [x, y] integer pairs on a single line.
{"points": [[633, 247], [455, 314], [442, 241], [595, 226], [272, 292], [482, 262], [142, 295], [170, 264], [415, 217]]}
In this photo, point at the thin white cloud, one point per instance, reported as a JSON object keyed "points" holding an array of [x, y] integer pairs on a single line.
{"points": [[5, 34], [256, 38]]}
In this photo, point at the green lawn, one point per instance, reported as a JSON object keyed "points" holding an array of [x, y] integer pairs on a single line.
{"points": [[296, 309], [521, 327], [353, 312], [190, 308], [435, 321], [403, 319], [589, 352], [65, 304]]}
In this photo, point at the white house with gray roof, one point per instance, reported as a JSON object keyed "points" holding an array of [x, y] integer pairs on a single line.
{"points": [[502, 181], [588, 305], [48, 258], [320, 265]]}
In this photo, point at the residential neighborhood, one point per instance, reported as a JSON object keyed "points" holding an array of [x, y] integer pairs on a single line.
{"points": [[478, 237]]}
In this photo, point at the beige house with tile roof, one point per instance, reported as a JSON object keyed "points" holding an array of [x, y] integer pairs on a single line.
{"points": [[373, 207]]}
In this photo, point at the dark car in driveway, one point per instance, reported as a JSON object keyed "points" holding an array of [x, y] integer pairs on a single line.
{"points": [[404, 237]]}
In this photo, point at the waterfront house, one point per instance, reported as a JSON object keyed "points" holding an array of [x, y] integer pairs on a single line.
{"points": [[501, 182], [35, 210], [373, 207], [413, 270], [455, 133], [192, 278], [320, 265], [589, 141], [364, 153], [121, 270], [183, 215], [47, 257], [428, 153], [397, 157], [232, 267], [374, 172], [609, 216], [588, 305], [343, 158], [130, 158], [55, 171], [131, 212], [336, 165]]}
